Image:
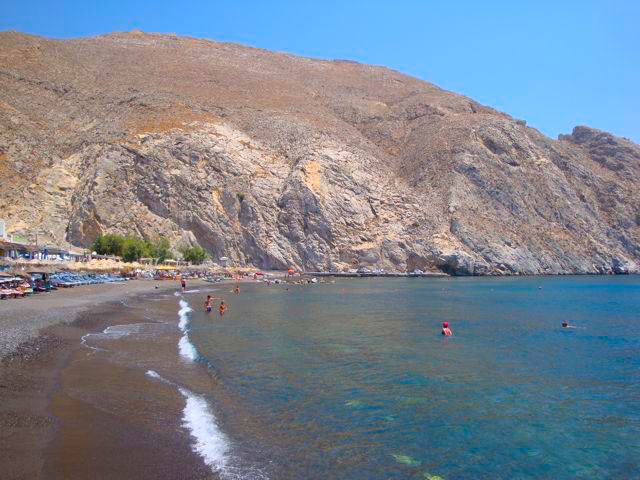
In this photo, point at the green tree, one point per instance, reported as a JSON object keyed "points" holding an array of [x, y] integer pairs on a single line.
{"points": [[100, 245], [133, 249], [160, 249], [195, 255], [115, 244], [109, 244]]}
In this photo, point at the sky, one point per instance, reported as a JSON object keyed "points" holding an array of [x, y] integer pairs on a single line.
{"points": [[555, 64]]}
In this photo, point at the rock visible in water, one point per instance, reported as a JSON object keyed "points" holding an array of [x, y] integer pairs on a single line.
{"points": [[406, 460], [429, 476]]}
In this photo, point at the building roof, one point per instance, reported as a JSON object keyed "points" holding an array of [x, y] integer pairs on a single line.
{"points": [[5, 245]]}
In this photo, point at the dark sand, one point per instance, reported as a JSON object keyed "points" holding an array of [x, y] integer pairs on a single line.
{"points": [[51, 425], [23, 319]]}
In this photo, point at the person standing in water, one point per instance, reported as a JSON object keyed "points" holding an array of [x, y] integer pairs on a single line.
{"points": [[183, 283], [237, 290], [207, 304], [446, 331], [222, 308]]}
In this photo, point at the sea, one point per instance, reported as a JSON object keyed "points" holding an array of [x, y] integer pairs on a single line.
{"points": [[352, 379]]}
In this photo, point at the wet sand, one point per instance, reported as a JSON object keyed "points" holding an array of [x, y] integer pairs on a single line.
{"points": [[66, 412]]}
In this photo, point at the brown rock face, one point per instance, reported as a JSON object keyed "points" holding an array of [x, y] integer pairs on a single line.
{"points": [[274, 160]]}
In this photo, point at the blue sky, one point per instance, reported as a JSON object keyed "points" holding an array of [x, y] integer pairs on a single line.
{"points": [[556, 64]]}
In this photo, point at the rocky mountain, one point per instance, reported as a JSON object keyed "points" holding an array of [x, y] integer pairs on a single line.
{"points": [[275, 160]]}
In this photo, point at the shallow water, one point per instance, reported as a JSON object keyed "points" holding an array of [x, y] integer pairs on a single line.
{"points": [[353, 380]]}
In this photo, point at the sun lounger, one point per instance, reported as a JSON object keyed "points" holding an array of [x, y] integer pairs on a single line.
{"points": [[10, 293]]}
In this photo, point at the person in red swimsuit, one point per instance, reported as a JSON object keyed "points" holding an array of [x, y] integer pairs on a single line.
{"points": [[446, 331]]}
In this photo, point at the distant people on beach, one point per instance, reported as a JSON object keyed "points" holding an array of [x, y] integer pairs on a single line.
{"points": [[446, 331], [207, 303]]}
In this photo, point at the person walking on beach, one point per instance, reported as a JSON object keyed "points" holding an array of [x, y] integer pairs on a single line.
{"points": [[222, 308], [446, 331], [207, 304]]}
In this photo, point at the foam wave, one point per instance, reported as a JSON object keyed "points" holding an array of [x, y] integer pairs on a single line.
{"points": [[112, 332], [83, 341], [187, 349], [157, 376], [183, 315], [209, 441]]}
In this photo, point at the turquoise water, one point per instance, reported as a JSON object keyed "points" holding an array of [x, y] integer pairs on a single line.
{"points": [[353, 380]]}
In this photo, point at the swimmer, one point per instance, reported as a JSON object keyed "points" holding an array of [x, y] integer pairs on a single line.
{"points": [[565, 324], [237, 290], [222, 308], [446, 331], [207, 304]]}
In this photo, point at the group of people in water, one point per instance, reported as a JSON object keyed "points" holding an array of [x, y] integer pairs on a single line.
{"points": [[208, 306], [208, 302], [446, 331]]}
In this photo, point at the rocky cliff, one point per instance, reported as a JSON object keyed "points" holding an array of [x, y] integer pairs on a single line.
{"points": [[274, 160]]}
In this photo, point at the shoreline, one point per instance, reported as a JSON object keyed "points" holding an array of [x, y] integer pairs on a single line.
{"points": [[31, 371], [22, 320], [457, 275], [40, 421]]}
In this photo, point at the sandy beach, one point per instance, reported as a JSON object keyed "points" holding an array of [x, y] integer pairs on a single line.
{"points": [[49, 424]]}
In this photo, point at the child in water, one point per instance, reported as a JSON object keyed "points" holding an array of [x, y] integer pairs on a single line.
{"points": [[446, 331], [207, 304], [237, 290], [222, 308]]}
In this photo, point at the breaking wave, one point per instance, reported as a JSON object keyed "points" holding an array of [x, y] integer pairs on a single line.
{"points": [[185, 347], [183, 315], [208, 440]]}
